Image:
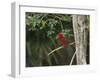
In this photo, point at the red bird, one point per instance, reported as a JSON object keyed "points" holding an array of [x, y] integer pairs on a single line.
{"points": [[62, 40]]}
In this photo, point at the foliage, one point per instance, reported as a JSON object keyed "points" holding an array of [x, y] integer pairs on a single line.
{"points": [[41, 39]]}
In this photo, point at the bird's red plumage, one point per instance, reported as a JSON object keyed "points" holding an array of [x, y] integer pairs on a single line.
{"points": [[62, 39]]}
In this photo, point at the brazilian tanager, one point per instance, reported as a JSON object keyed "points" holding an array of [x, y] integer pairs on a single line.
{"points": [[62, 40]]}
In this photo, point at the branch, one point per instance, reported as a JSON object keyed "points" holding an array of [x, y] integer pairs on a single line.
{"points": [[55, 50], [71, 43], [59, 48], [72, 58]]}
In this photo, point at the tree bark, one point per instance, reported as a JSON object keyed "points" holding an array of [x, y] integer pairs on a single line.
{"points": [[80, 35]]}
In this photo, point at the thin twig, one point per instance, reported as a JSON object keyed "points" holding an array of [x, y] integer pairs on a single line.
{"points": [[71, 43], [72, 58], [55, 50], [59, 48]]}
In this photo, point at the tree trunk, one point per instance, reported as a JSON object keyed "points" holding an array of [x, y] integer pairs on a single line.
{"points": [[80, 34]]}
